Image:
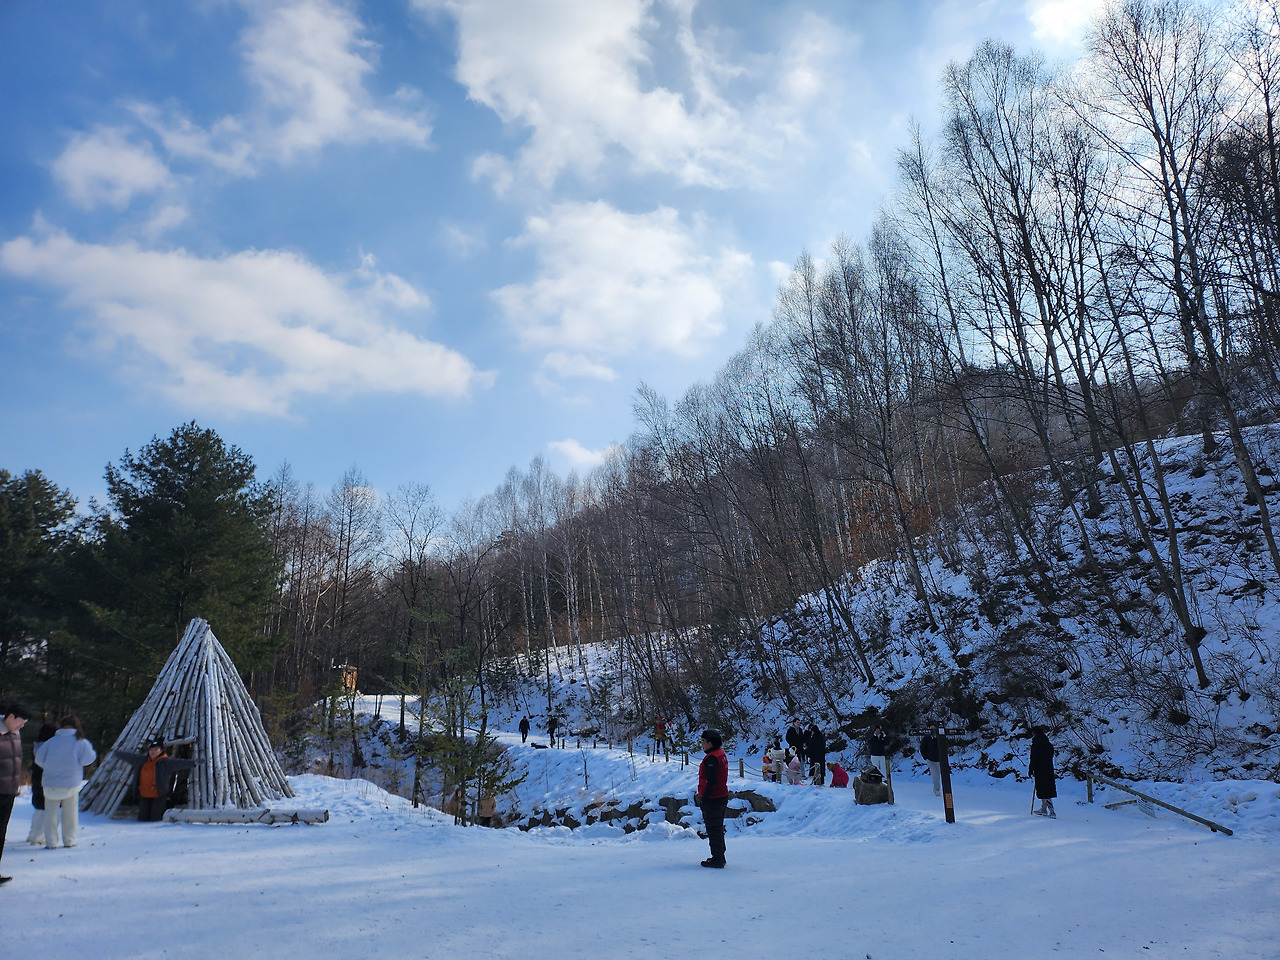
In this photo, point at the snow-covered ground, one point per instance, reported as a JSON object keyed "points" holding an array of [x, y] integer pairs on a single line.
{"points": [[822, 875]]}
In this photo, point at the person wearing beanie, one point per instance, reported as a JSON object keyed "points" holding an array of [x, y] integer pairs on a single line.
{"points": [[713, 794]]}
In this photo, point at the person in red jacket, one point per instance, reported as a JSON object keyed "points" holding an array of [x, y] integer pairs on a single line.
{"points": [[713, 794]]}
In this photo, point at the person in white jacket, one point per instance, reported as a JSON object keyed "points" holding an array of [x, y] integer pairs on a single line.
{"points": [[63, 759]]}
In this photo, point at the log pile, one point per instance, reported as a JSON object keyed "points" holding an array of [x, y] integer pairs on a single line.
{"points": [[247, 816], [198, 698]]}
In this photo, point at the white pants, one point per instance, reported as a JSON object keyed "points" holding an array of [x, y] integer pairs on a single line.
{"points": [[36, 834], [879, 764], [935, 771], [66, 800]]}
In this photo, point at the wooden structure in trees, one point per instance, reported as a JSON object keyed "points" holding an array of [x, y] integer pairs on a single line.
{"points": [[198, 698]]}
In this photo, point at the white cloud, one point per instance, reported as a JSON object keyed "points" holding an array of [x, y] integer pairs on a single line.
{"points": [[165, 219], [250, 333], [309, 60], [1061, 23], [612, 283], [464, 240], [778, 270], [576, 365], [578, 456], [222, 147], [577, 73], [107, 167]]}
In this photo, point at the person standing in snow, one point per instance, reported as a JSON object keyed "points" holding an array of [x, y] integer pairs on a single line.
{"points": [[64, 758], [929, 753], [816, 749], [839, 775], [552, 723], [1041, 769], [660, 737], [15, 718], [524, 729], [713, 794], [35, 835], [154, 774], [878, 748], [795, 738]]}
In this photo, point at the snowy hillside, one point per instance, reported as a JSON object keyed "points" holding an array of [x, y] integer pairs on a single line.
{"points": [[1103, 664]]}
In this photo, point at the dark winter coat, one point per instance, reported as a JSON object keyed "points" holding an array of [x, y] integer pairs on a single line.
{"points": [[929, 747], [713, 776], [878, 745], [167, 768], [37, 786], [795, 739], [816, 746], [1041, 767], [524, 725], [10, 762]]}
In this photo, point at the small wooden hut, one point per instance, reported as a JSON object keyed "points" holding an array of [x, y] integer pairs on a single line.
{"points": [[199, 699]]}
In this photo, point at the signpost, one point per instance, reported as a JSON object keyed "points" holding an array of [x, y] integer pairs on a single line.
{"points": [[947, 803]]}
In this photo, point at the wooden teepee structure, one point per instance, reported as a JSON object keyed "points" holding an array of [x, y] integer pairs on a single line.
{"points": [[198, 698]]}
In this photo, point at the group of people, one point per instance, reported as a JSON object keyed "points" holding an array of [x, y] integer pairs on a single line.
{"points": [[525, 726], [57, 774], [805, 748], [61, 754]]}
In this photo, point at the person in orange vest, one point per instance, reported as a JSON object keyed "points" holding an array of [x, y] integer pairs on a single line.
{"points": [[156, 771]]}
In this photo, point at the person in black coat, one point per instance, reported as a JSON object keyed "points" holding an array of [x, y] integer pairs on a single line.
{"points": [[795, 738], [524, 729], [552, 723], [816, 749], [1041, 769], [878, 748], [929, 754]]}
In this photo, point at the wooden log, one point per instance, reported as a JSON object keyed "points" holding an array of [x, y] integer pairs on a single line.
{"points": [[1214, 827], [252, 815]]}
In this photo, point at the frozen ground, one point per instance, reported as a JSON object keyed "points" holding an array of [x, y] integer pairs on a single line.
{"points": [[819, 876]]}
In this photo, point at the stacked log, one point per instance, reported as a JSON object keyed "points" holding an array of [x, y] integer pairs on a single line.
{"points": [[199, 698]]}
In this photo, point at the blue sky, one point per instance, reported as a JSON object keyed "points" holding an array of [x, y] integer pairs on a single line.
{"points": [[431, 239]]}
